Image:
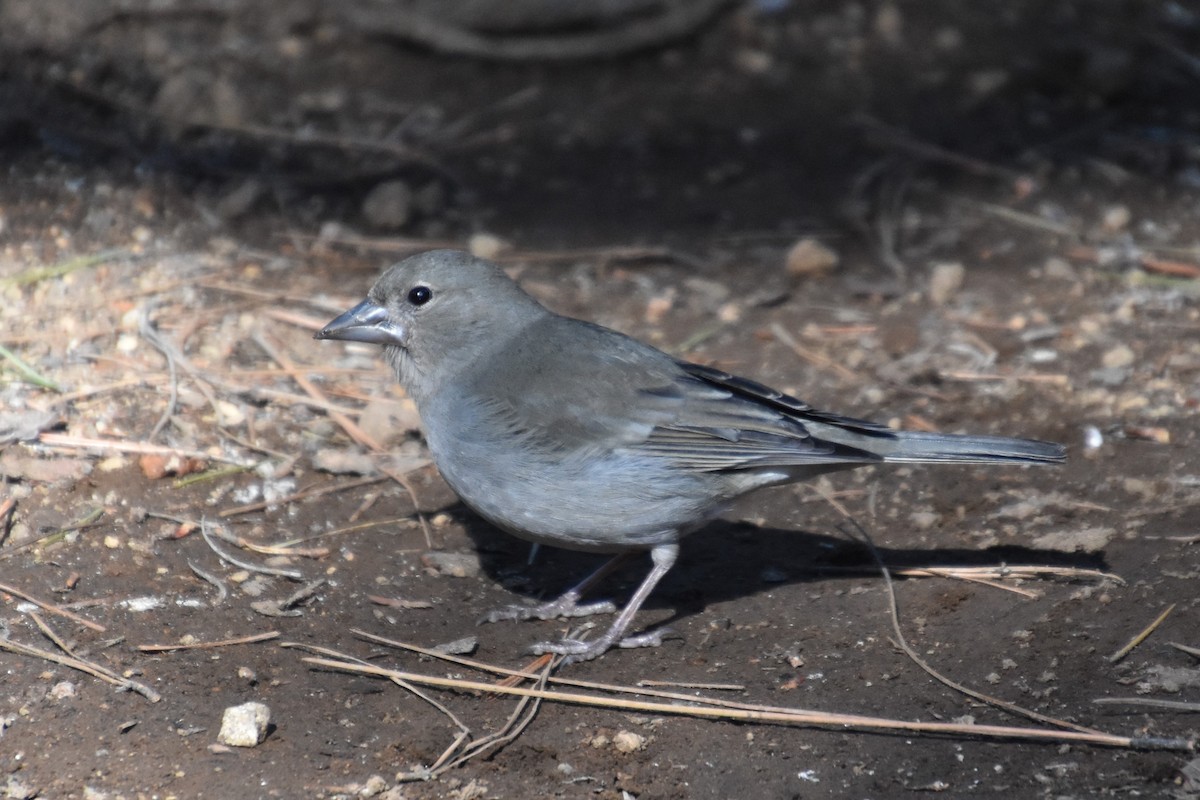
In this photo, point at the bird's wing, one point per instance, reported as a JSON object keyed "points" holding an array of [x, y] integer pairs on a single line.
{"points": [[730, 423], [594, 390]]}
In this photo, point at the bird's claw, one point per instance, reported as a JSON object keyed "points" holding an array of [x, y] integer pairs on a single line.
{"points": [[555, 609], [577, 650]]}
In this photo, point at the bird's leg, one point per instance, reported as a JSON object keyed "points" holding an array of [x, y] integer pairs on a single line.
{"points": [[663, 556], [568, 604]]}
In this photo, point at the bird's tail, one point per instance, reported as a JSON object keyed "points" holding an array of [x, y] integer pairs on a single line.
{"points": [[919, 447]]}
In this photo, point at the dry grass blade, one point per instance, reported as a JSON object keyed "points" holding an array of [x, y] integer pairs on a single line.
{"points": [[70, 442], [38, 274], [302, 495], [166, 648], [51, 608], [464, 733], [1056, 379], [28, 373], [362, 526], [217, 583], [1150, 702], [275, 352], [1020, 218], [523, 714], [210, 540], [49, 633], [894, 610], [816, 359], [780, 715], [1191, 651], [348, 425], [713, 687], [1141, 637], [902, 643], [95, 670], [482, 666]]}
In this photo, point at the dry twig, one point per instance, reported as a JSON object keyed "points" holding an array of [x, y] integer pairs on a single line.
{"points": [[301, 495], [52, 608], [816, 359], [790, 716], [1141, 637], [209, 539], [89, 667], [251, 639]]}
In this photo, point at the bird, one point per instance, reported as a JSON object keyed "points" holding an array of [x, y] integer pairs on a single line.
{"points": [[563, 432]]}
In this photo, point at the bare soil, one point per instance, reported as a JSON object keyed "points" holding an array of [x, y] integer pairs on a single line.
{"points": [[206, 182]]}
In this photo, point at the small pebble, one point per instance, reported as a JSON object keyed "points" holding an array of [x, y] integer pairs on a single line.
{"points": [[1059, 269], [459, 647], [375, 786], [1119, 356], [62, 690], [889, 24], [1041, 355], [244, 725], [987, 81], [628, 742], [486, 245], [456, 565], [944, 281], [810, 257], [1116, 218], [753, 62], [388, 205]]}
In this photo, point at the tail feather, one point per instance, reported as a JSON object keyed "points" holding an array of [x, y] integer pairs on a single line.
{"points": [[917, 447]]}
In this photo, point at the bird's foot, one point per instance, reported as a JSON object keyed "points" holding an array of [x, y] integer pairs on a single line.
{"points": [[576, 650], [565, 606]]}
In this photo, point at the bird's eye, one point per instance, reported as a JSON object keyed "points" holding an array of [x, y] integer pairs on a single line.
{"points": [[420, 295]]}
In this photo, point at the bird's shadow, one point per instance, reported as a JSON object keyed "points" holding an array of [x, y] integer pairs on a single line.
{"points": [[727, 560]]}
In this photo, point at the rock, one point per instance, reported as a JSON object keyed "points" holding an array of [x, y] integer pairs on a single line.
{"points": [[374, 786], [889, 24], [14, 467], [944, 281], [456, 565], [17, 426], [17, 789], [1116, 218], [810, 257], [459, 647], [752, 61], [1086, 540], [245, 725], [1119, 356], [388, 205], [1109, 376], [486, 245], [1059, 269], [628, 742], [343, 461]]}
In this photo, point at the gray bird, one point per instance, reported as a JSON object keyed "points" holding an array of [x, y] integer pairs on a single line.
{"points": [[570, 434]]}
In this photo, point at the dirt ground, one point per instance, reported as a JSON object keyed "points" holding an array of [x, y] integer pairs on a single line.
{"points": [[1011, 193]]}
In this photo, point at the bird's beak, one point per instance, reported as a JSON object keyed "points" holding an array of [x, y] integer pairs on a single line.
{"points": [[366, 322]]}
